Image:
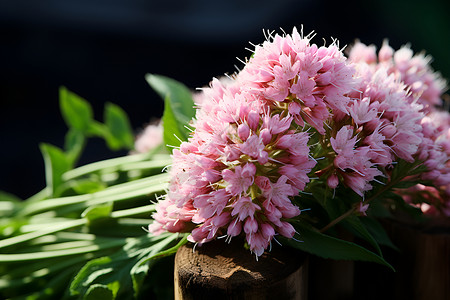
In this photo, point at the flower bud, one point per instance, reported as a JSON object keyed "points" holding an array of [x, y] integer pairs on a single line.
{"points": [[243, 131], [385, 53], [267, 231], [250, 226], [286, 229], [265, 136], [333, 181], [389, 130], [253, 120], [235, 228]]}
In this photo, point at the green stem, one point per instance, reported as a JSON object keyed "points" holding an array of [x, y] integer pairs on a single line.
{"points": [[41, 268], [32, 235], [389, 185], [58, 253], [122, 191], [60, 246], [115, 163], [144, 165], [52, 228], [133, 211], [337, 220], [44, 193], [167, 252]]}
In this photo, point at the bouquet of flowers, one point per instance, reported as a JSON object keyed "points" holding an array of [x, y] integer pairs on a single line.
{"points": [[300, 141]]}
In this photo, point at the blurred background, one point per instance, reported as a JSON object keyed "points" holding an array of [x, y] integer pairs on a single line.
{"points": [[102, 49]]}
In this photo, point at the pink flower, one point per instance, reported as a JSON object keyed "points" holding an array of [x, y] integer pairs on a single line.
{"points": [[344, 141], [362, 112], [362, 208], [276, 124], [211, 203], [303, 88], [254, 147], [245, 208], [239, 180], [150, 138], [295, 143], [280, 192], [297, 174]]}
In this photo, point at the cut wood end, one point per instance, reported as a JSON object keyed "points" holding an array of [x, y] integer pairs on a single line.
{"points": [[218, 268]]}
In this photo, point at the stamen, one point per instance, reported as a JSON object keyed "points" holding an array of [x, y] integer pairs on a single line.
{"points": [[180, 140], [243, 62], [248, 49], [298, 241], [277, 241], [382, 183], [306, 193], [193, 248]]}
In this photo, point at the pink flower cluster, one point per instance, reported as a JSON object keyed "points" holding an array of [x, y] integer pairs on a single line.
{"points": [[424, 87], [249, 153], [435, 152], [259, 136], [414, 70], [380, 128]]}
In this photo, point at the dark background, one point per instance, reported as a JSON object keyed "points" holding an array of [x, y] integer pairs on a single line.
{"points": [[102, 49]]}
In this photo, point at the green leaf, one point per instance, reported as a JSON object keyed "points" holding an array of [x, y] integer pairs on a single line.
{"points": [[179, 95], [56, 163], [173, 135], [378, 209], [119, 128], [117, 267], [400, 203], [5, 196], [97, 129], [178, 108], [140, 269], [87, 186], [76, 111], [378, 232], [100, 211], [93, 269], [120, 192], [355, 226], [326, 246], [9, 204], [118, 163], [100, 291], [405, 184], [74, 143], [324, 196]]}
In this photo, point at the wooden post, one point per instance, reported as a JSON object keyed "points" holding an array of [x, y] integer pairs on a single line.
{"points": [[218, 270], [423, 268], [422, 264]]}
